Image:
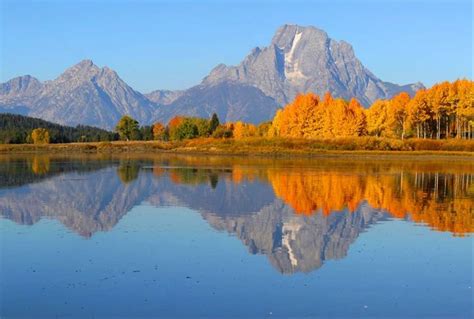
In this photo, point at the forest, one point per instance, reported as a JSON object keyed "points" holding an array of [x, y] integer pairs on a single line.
{"points": [[444, 111], [18, 129]]}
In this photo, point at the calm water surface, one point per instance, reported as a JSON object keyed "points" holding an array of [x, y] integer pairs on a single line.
{"points": [[181, 236]]}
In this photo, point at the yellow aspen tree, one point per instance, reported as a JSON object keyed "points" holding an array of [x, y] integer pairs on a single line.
{"points": [[398, 114]]}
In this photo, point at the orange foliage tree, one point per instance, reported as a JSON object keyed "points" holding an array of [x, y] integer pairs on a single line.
{"points": [[242, 130], [443, 111], [158, 131], [174, 123], [377, 118], [398, 113], [308, 117]]}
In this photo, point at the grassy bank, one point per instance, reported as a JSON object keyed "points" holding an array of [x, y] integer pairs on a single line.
{"points": [[259, 146]]}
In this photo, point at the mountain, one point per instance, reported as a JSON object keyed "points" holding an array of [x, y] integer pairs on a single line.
{"points": [[83, 94], [164, 97], [304, 59], [230, 101], [18, 94], [298, 59], [25, 85]]}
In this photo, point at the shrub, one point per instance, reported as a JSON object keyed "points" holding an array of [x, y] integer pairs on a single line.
{"points": [[222, 132], [185, 130], [40, 136]]}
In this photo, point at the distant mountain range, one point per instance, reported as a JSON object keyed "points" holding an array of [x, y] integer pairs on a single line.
{"points": [[299, 59], [83, 94]]}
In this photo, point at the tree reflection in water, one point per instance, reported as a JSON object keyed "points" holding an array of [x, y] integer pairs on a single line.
{"points": [[299, 213]]}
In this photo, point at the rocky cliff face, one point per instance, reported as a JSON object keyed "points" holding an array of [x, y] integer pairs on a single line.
{"points": [[304, 59]]}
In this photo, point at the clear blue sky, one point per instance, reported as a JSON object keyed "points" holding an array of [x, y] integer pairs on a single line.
{"points": [[174, 44]]}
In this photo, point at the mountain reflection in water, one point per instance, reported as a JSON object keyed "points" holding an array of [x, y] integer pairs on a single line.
{"points": [[298, 213]]}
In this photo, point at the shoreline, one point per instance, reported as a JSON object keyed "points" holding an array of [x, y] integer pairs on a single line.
{"points": [[247, 147]]}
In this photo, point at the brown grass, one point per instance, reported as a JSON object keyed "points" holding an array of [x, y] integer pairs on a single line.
{"points": [[260, 146]]}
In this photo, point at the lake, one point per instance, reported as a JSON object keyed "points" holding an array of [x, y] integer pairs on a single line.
{"points": [[202, 236]]}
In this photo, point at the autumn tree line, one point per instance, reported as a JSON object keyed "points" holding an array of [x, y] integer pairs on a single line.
{"points": [[182, 128], [444, 111], [178, 128]]}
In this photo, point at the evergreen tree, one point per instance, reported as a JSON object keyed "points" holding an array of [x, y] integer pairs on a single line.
{"points": [[213, 123]]}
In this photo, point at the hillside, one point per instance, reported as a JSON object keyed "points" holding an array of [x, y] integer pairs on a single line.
{"points": [[15, 128]]}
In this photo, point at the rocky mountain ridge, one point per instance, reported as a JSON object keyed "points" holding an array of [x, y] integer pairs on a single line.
{"points": [[304, 59], [298, 59]]}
